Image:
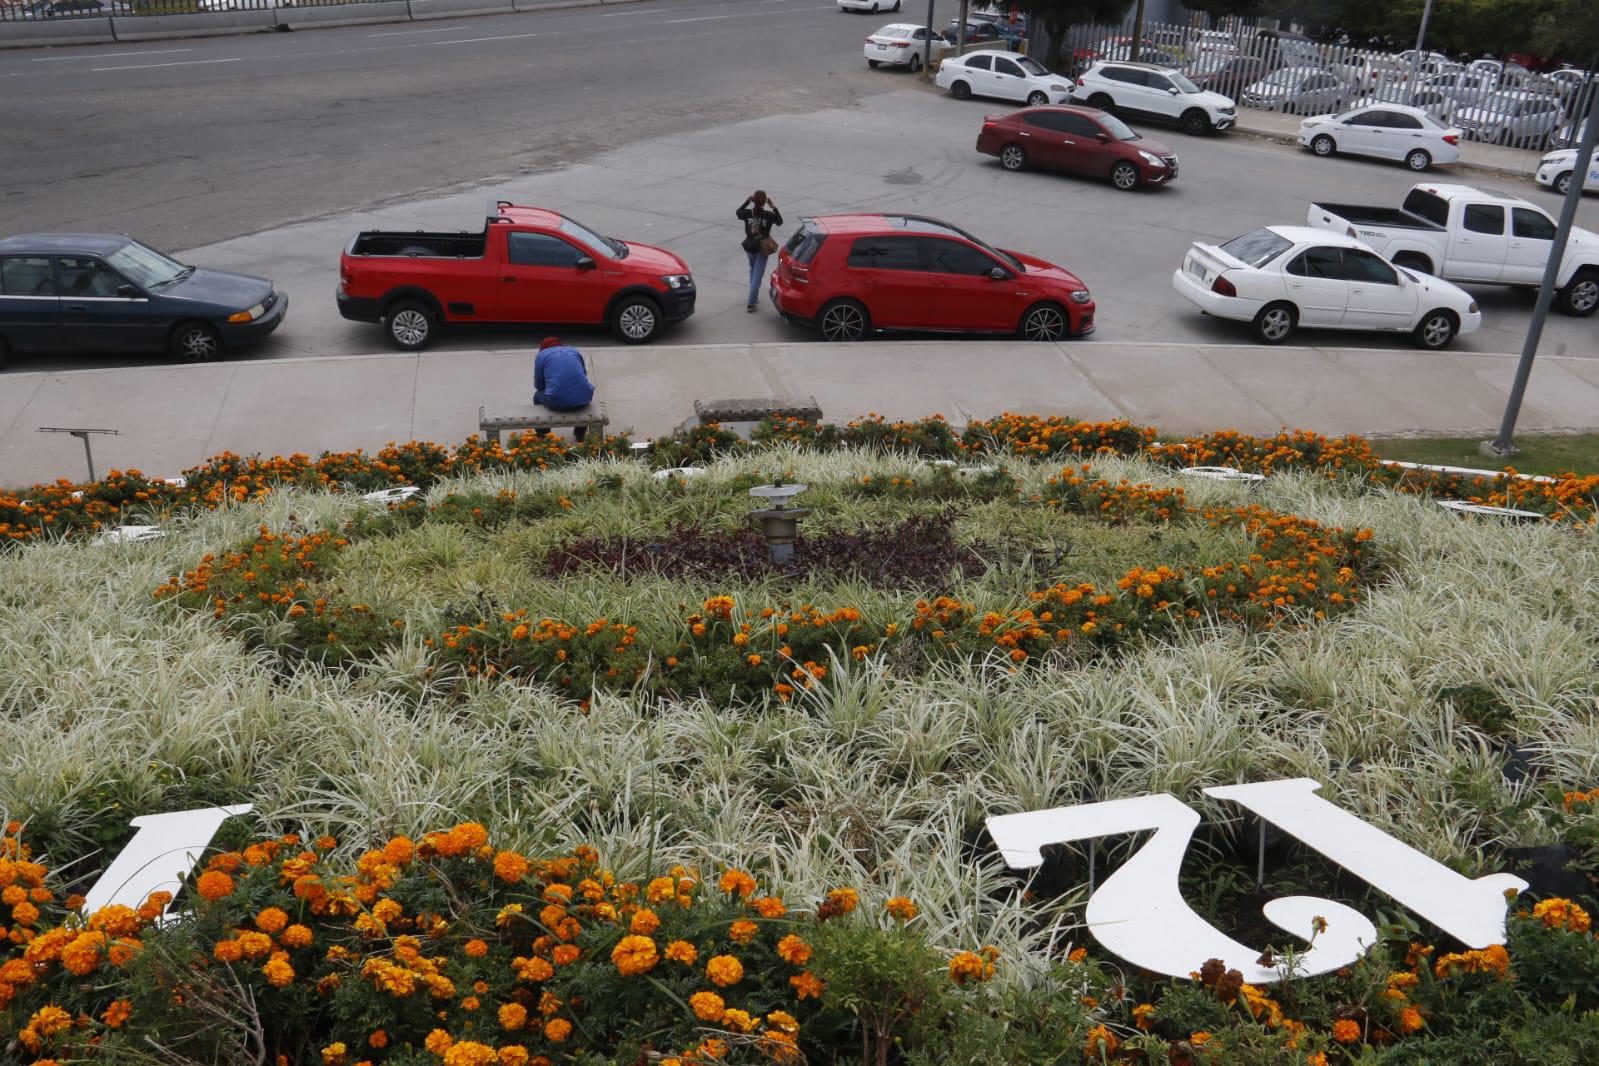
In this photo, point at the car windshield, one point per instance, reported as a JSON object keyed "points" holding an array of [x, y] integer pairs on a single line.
{"points": [[1503, 102], [1033, 67], [1284, 78], [146, 267], [1118, 129], [1182, 82], [1257, 248], [593, 241]]}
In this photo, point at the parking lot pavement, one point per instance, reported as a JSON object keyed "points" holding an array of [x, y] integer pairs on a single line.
{"points": [[171, 418], [908, 150]]}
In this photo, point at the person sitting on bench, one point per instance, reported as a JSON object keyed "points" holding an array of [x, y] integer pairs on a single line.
{"points": [[561, 381]]}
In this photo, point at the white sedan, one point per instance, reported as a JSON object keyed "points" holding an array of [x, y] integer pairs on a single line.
{"points": [[1281, 277], [901, 44], [1555, 170], [1386, 131], [874, 6], [1004, 76]]}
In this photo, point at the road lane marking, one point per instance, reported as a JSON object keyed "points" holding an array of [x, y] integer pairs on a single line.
{"points": [[179, 63], [407, 33], [112, 55], [702, 18], [475, 40]]}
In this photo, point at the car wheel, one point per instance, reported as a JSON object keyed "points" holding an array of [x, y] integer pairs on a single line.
{"points": [[1045, 322], [1013, 157], [960, 90], [196, 342], [915, 64], [1323, 146], [1436, 330], [1418, 160], [842, 320], [635, 319], [1101, 102], [1195, 122], [1037, 99], [1415, 261], [1562, 183], [411, 325], [1124, 176], [1581, 296], [897, 3], [1276, 323], [872, 63]]}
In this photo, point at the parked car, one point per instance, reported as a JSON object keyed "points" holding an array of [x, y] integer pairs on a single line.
{"points": [[901, 44], [976, 32], [1160, 93], [1286, 48], [1523, 119], [1367, 70], [1229, 75], [873, 6], [1387, 131], [1569, 135], [526, 265], [849, 275], [1556, 168], [1436, 105], [1003, 76], [1298, 91], [1120, 49], [1566, 82], [1077, 140], [1280, 278], [1209, 43], [54, 9], [1464, 234], [74, 292]]}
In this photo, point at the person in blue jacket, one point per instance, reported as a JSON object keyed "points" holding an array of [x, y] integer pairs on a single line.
{"points": [[560, 380]]}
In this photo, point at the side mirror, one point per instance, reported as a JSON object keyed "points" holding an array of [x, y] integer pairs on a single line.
{"points": [[128, 292], [1172, 90], [585, 263], [1102, 137], [998, 273]]}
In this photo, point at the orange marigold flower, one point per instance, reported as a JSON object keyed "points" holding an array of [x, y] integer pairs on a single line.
{"points": [[1101, 1044], [769, 907], [724, 970], [117, 1013], [566, 954], [470, 1053], [1410, 1020], [214, 884], [516, 1055], [1559, 913], [740, 1020], [476, 948], [901, 907], [513, 1016], [634, 955], [297, 936], [378, 1039], [1143, 1016], [644, 922], [737, 882], [227, 951], [742, 931], [279, 973], [682, 951], [438, 1041], [807, 985], [707, 1006], [335, 1054], [557, 1030], [968, 966], [1346, 1031], [271, 920], [793, 950], [511, 866]]}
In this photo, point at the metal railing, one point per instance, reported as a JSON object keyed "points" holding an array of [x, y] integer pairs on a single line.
{"points": [[1266, 69], [60, 10]]}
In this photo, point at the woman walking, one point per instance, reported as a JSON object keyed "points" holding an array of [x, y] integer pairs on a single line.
{"points": [[759, 215]]}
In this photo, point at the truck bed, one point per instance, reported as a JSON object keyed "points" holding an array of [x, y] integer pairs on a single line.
{"points": [[1386, 217], [420, 245]]}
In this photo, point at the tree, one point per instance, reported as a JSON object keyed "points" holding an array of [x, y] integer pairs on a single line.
{"points": [[1568, 30], [1056, 17]]}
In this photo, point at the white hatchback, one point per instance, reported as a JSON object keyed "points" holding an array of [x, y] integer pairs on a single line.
{"points": [[1004, 76], [901, 44], [1279, 278], [1385, 131]]}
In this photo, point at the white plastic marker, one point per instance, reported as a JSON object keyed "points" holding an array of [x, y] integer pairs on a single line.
{"points": [[159, 857]]}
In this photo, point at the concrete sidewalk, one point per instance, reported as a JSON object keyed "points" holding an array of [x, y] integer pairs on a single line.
{"points": [[1493, 158], [172, 417]]}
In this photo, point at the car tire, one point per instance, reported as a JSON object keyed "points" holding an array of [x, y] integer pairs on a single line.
{"points": [[1436, 329], [897, 4], [411, 325], [1276, 322], [843, 320], [1562, 183], [1013, 157], [1418, 160], [1414, 260], [195, 342], [915, 64], [1124, 176], [635, 319], [1580, 297], [1102, 102], [1037, 98], [1195, 122], [872, 63], [1046, 322], [960, 90], [1323, 145]]}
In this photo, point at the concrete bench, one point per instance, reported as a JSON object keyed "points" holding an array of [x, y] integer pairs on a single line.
{"points": [[708, 411], [533, 417]]}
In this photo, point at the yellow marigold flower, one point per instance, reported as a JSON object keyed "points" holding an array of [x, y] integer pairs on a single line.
{"points": [[470, 1053], [476, 948], [214, 884], [769, 907], [707, 1006], [742, 931], [557, 1030], [335, 1054], [511, 866], [279, 973], [793, 950], [387, 910], [536, 969], [297, 936], [645, 922], [1101, 1044], [634, 955], [737, 882], [783, 1022], [1143, 1015], [117, 1013], [513, 1016], [901, 907], [254, 945], [1346, 1031], [839, 902], [660, 890], [724, 970], [1200, 1039], [271, 920], [741, 1020], [682, 951]]}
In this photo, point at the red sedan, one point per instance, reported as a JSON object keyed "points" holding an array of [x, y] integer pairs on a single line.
{"points": [[1078, 140], [849, 275]]}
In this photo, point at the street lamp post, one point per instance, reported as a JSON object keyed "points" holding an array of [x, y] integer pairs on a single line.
{"points": [[1421, 36]]}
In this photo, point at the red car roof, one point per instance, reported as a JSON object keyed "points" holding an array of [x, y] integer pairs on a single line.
{"points": [[530, 216]]}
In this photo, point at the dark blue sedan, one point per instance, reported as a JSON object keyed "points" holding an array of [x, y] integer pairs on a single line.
{"points": [[76, 292]]}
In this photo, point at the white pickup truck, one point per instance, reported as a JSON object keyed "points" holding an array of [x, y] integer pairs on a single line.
{"points": [[1463, 234]]}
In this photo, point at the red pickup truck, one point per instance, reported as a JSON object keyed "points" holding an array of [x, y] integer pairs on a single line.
{"points": [[528, 265]]}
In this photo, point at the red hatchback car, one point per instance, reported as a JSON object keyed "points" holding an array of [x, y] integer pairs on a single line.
{"points": [[1078, 140], [851, 274]]}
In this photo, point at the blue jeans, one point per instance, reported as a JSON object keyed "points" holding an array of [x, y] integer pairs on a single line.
{"points": [[757, 271]]}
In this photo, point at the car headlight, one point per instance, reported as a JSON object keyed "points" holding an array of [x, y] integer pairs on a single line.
{"points": [[677, 281], [1081, 296], [1151, 159], [248, 316]]}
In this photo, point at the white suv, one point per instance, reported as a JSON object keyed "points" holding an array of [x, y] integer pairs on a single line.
{"points": [[1148, 91]]}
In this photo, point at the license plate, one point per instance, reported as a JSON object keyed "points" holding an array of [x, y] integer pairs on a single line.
{"points": [[1196, 270]]}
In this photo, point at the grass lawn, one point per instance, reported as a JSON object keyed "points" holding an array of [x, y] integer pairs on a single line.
{"points": [[1552, 454]]}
